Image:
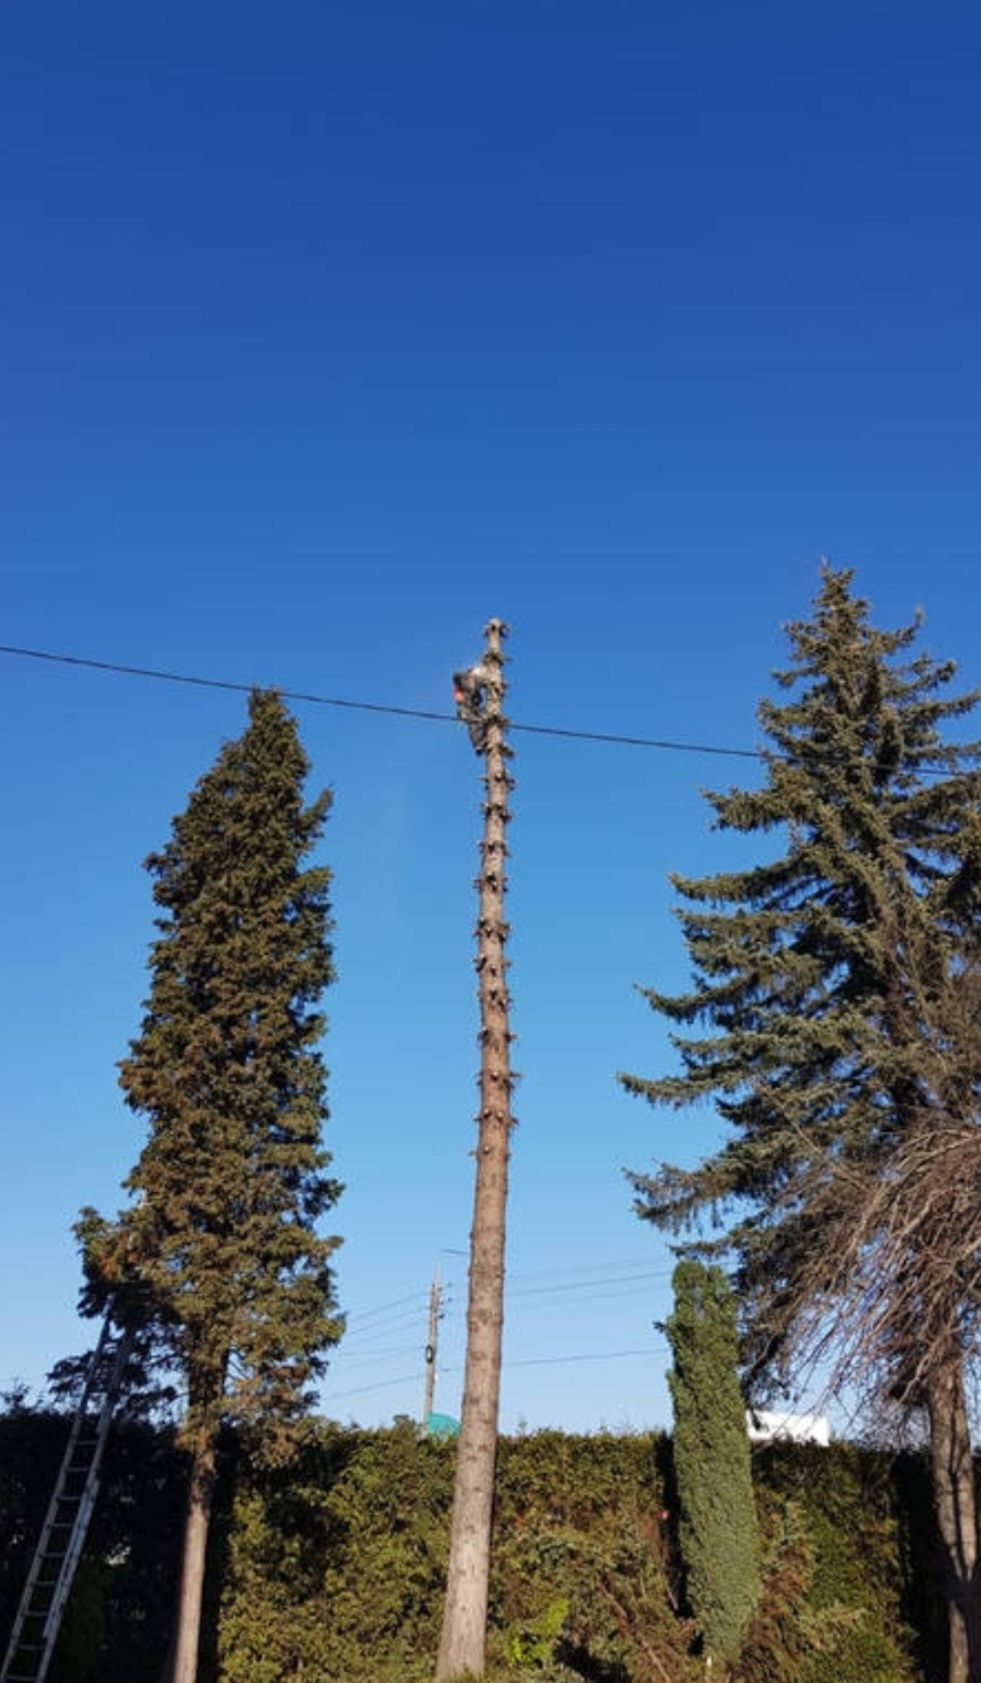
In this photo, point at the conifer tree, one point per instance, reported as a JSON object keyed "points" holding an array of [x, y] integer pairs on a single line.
{"points": [[222, 1237], [834, 1020], [717, 1528]]}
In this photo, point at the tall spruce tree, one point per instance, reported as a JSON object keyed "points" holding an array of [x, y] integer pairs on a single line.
{"points": [[834, 1020], [717, 1527], [222, 1238]]}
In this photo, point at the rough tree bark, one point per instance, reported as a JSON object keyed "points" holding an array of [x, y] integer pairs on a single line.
{"points": [[953, 1491], [462, 1643], [198, 1522]]}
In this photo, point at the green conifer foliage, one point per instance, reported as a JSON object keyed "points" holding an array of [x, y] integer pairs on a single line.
{"points": [[717, 1524], [822, 1007], [231, 1184], [834, 1019]]}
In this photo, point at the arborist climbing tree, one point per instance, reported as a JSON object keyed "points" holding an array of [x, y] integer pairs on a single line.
{"points": [[479, 694]]}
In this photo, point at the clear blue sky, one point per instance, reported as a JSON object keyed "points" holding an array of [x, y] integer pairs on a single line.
{"points": [[327, 331]]}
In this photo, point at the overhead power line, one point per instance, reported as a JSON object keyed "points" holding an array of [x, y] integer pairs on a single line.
{"points": [[613, 1266], [593, 1285], [382, 1308], [195, 680], [381, 1356], [370, 1335], [356, 1323], [586, 1356], [522, 1361], [619, 738], [546, 1300]]}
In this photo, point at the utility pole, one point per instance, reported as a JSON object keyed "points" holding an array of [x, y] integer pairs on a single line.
{"points": [[432, 1343], [480, 703]]}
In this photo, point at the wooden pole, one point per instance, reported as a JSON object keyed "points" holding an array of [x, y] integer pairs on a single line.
{"points": [[432, 1343], [462, 1643]]}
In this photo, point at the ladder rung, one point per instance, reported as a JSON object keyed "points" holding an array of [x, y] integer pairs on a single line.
{"points": [[69, 1511]]}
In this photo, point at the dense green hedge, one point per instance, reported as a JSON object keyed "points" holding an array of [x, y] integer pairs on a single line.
{"points": [[332, 1573]]}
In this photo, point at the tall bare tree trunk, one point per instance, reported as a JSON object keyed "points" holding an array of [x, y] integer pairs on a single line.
{"points": [[199, 1500], [462, 1643], [953, 1493]]}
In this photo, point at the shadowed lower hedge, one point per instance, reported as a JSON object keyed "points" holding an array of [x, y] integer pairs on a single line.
{"points": [[333, 1572]]}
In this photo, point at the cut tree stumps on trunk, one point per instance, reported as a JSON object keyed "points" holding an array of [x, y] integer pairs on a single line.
{"points": [[479, 695]]}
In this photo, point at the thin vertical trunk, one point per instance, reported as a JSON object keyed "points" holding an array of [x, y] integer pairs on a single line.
{"points": [[432, 1340], [462, 1643], [199, 1500], [953, 1493]]}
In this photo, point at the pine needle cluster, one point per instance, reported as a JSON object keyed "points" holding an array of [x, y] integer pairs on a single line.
{"points": [[834, 1016], [222, 1237]]}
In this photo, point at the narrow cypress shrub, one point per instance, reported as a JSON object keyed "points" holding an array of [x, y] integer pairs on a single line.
{"points": [[718, 1527]]}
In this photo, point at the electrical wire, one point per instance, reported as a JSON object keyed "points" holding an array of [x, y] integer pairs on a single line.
{"points": [[608, 1267], [382, 1308], [560, 1307], [559, 1295], [589, 1285], [522, 1361], [516, 1312], [365, 1340], [380, 1385], [618, 738], [130, 671], [379, 1356], [586, 1356], [384, 1325]]}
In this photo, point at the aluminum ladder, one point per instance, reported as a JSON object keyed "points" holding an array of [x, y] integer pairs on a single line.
{"points": [[49, 1581]]}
